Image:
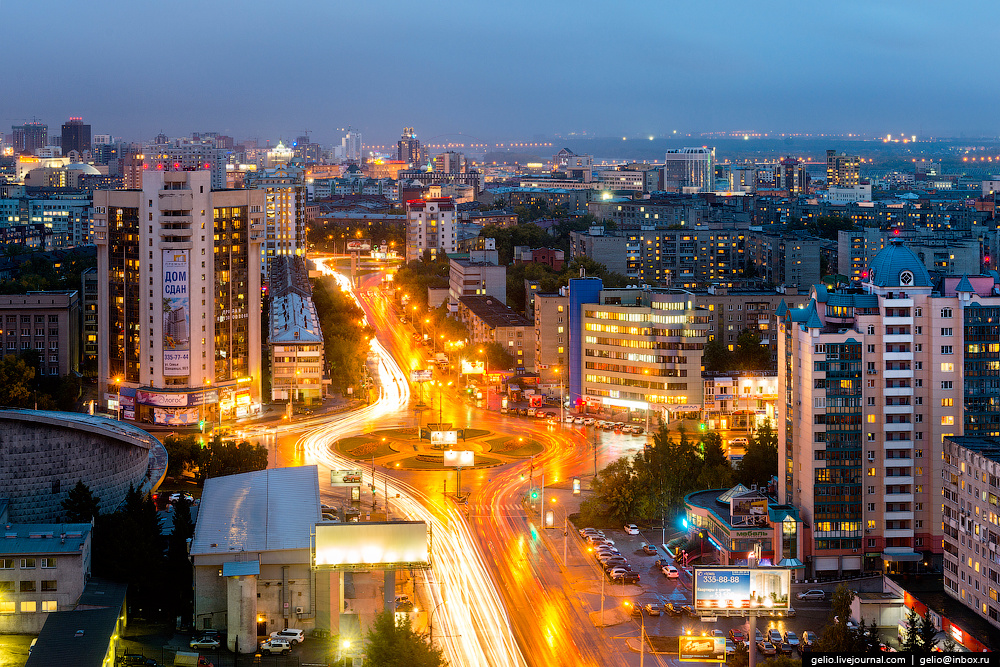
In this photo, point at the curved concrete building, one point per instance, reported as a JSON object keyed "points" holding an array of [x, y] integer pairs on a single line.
{"points": [[43, 454]]}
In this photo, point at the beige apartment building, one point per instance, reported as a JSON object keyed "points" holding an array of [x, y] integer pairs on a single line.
{"points": [[179, 329], [551, 338], [871, 385], [47, 322]]}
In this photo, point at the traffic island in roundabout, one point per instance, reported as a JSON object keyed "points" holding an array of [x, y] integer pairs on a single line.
{"points": [[404, 449]]}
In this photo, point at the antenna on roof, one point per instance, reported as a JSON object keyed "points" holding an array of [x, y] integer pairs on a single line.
{"points": [[583, 272]]}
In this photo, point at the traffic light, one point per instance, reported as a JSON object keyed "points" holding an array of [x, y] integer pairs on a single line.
{"points": [[201, 425], [701, 426], [522, 476], [534, 494]]}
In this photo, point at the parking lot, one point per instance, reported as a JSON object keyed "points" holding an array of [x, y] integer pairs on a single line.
{"points": [[656, 587]]}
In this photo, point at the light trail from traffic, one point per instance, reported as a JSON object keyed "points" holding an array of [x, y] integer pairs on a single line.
{"points": [[472, 622]]}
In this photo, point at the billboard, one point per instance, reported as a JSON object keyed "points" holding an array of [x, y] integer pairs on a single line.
{"points": [[459, 459], [359, 245], [345, 477], [734, 589], [701, 649], [176, 314], [170, 400], [372, 545], [442, 438], [176, 416], [473, 367], [748, 510], [421, 376]]}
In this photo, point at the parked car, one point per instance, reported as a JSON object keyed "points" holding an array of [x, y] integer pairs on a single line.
{"points": [[738, 636], [808, 639], [671, 610], [616, 564], [670, 571], [625, 578], [687, 610], [275, 645], [774, 636], [718, 633], [631, 529], [294, 636], [758, 636], [130, 660], [204, 643], [784, 648], [653, 608], [578, 420], [730, 648], [588, 421], [766, 648], [792, 639], [812, 594], [649, 549]]}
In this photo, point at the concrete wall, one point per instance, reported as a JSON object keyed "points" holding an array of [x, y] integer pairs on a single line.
{"points": [[40, 461]]}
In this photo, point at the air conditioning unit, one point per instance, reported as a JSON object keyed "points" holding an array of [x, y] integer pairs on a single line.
{"points": [[298, 610]]}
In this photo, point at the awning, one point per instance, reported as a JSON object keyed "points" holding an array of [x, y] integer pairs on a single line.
{"points": [[793, 563], [234, 569], [910, 557]]}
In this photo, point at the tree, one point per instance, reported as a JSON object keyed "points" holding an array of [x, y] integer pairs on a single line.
{"points": [[497, 357], [749, 354], [178, 567], [17, 380], [760, 462], [221, 458], [394, 643], [716, 356], [716, 473], [81, 504], [911, 636], [926, 633], [836, 636], [616, 489]]}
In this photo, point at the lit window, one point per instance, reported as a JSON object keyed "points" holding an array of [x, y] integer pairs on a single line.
{"points": [[947, 368], [947, 420]]}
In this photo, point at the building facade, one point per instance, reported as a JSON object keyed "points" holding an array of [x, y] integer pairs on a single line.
{"points": [[47, 322], [179, 324], [870, 385], [689, 169], [284, 214], [491, 321], [75, 136], [551, 337], [431, 226], [842, 170]]}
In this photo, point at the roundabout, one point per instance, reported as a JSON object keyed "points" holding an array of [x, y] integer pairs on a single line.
{"points": [[404, 449]]}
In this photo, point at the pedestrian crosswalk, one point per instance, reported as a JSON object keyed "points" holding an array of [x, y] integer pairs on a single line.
{"points": [[510, 508]]}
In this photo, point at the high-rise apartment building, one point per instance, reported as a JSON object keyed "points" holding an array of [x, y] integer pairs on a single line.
{"points": [[431, 225], [792, 177], [551, 338], [351, 145], [284, 213], [75, 136], [842, 170], [871, 382], [690, 169], [408, 148], [30, 137], [185, 154], [450, 162], [179, 312]]}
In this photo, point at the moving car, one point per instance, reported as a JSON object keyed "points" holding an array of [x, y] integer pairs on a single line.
{"points": [[653, 608], [294, 636], [631, 529], [670, 571], [204, 643], [274, 645], [812, 594], [636, 430], [578, 420], [588, 421], [671, 610]]}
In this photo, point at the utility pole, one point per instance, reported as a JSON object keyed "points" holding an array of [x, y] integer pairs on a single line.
{"points": [[565, 533]]}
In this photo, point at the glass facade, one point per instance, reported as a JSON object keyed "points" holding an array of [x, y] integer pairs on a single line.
{"points": [[123, 314], [232, 305], [982, 370]]}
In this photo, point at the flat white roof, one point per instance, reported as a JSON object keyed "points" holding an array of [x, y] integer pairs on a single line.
{"points": [[266, 510]]}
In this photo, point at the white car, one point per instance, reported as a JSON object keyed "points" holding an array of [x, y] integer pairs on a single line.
{"points": [[568, 419], [275, 645], [578, 420], [670, 571], [290, 635], [588, 421], [631, 529]]}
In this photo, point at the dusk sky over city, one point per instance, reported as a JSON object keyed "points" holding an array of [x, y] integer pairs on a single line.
{"points": [[494, 71]]}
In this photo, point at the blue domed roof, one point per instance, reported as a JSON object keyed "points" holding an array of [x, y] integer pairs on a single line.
{"points": [[897, 266], [84, 167]]}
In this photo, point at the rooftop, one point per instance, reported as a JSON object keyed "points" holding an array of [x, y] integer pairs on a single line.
{"points": [[78, 420], [265, 510], [44, 538], [494, 312], [294, 320]]}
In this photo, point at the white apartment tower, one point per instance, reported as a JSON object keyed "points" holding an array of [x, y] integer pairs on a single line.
{"points": [[179, 335], [870, 384], [431, 225], [690, 169]]}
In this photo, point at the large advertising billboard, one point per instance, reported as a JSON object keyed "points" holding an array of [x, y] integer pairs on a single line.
{"points": [[372, 545], [359, 245], [748, 510], [176, 416], [345, 477], [459, 459], [421, 376], [443, 438], [733, 589], [176, 314], [701, 649]]}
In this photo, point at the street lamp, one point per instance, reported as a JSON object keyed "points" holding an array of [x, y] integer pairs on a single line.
{"points": [[642, 632], [430, 620], [562, 400], [118, 404], [204, 395], [440, 400]]}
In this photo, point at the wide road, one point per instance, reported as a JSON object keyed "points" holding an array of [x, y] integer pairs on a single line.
{"points": [[500, 588]]}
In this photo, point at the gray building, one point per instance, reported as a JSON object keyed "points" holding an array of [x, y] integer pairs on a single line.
{"points": [[47, 322]]}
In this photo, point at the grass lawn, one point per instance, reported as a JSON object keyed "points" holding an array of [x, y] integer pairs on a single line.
{"points": [[413, 463], [364, 447]]}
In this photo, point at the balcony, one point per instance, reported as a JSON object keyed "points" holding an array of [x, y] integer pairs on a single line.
{"points": [[889, 375], [898, 497], [174, 200], [898, 391], [897, 409], [178, 231], [898, 356], [898, 303], [897, 321], [898, 516], [902, 480], [897, 338], [897, 532]]}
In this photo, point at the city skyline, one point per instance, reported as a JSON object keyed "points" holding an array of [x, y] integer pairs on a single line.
{"points": [[549, 70]]}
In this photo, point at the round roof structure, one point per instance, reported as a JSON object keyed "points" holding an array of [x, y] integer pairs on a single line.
{"points": [[84, 167], [897, 266]]}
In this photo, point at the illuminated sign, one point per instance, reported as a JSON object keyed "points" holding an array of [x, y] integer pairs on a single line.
{"points": [[345, 477], [176, 314], [459, 459], [362, 245], [748, 510], [421, 376], [734, 589], [371, 544], [444, 438], [473, 367], [701, 649]]}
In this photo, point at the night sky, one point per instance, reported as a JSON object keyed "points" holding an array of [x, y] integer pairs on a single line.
{"points": [[500, 70]]}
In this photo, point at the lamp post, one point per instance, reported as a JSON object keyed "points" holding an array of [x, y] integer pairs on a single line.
{"points": [[118, 403], [430, 621], [562, 400], [204, 395], [753, 559], [565, 529], [642, 633], [440, 400]]}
